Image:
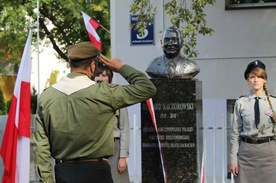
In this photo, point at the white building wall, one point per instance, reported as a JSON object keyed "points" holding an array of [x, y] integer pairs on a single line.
{"points": [[241, 36]]}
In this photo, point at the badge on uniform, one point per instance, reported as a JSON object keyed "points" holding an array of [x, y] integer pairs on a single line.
{"points": [[270, 114]]}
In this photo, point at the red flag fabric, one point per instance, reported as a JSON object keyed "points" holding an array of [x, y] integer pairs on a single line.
{"points": [[91, 26], [15, 148]]}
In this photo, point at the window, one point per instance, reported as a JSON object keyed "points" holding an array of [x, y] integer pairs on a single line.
{"points": [[243, 4]]}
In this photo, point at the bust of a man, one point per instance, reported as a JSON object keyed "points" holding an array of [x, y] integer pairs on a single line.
{"points": [[172, 64]]}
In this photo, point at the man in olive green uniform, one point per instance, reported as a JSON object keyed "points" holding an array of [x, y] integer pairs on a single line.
{"points": [[75, 118]]}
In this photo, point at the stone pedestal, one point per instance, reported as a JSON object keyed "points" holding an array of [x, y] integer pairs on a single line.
{"points": [[178, 110]]}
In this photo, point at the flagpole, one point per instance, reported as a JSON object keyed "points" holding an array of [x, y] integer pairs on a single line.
{"points": [[104, 28], [38, 65]]}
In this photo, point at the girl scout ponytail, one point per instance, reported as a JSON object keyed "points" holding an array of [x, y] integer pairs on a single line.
{"points": [[273, 118]]}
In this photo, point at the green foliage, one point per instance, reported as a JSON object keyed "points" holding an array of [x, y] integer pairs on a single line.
{"points": [[52, 79], [2, 103], [190, 19], [60, 25], [146, 9], [8, 104]]}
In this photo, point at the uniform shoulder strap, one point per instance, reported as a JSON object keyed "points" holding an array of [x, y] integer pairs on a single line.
{"points": [[242, 96]]}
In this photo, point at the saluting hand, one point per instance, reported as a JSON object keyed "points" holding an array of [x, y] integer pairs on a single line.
{"points": [[114, 63]]}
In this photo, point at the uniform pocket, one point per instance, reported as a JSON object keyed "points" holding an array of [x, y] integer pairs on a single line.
{"points": [[246, 116]]}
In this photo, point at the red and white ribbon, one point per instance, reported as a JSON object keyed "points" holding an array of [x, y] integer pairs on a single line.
{"points": [[151, 110]]}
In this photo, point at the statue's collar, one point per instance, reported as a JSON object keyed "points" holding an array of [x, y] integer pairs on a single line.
{"points": [[168, 60]]}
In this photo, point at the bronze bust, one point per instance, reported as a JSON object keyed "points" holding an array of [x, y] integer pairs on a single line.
{"points": [[172, 64]]}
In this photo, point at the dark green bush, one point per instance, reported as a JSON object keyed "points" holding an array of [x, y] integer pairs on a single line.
{"points": [[3, 109]]}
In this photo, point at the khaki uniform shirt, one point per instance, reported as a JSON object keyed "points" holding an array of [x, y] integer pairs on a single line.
{"points": [[122, 131], [243, 123], [75, 117]]}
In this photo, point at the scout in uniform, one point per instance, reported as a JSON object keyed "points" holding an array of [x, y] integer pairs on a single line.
{"points": [[75, 118], [253, 149]]}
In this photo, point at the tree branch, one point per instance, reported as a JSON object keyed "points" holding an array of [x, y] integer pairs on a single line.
{"points": [[50, 36]]}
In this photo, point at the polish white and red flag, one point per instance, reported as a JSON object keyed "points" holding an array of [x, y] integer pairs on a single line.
{"points": [[91, 26], [15, 148]]}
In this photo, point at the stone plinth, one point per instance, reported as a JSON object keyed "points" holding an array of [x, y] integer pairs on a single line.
{"points": [[178, 110]]}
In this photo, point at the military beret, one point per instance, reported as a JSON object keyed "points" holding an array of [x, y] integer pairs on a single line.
{"points": [[82, 51], [253, 65]]}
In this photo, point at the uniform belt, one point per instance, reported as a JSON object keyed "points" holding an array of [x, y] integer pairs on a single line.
{"points": [[116, 138], [256, 140], [58, 161]]}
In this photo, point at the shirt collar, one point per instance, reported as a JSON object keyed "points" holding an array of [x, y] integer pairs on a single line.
{"points": [[75, 74], [262, 96]]}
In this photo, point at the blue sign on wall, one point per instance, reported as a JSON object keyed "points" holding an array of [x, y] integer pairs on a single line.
{"points": [[138, 39]]}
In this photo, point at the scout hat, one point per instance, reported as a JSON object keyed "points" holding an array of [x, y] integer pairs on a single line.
{"points": [[253, 65], [82, 51]]}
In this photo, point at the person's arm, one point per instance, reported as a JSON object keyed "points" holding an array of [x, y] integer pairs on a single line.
{"points": [[124, 139], [236, 128], [42, 155], [140, 88], [124, 132]]}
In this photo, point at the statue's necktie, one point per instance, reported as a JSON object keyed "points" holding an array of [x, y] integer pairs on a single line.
{"points": [[170, 69], [257, 111]]}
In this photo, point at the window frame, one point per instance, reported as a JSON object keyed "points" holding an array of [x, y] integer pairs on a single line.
{"points": [[229, 6]]}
